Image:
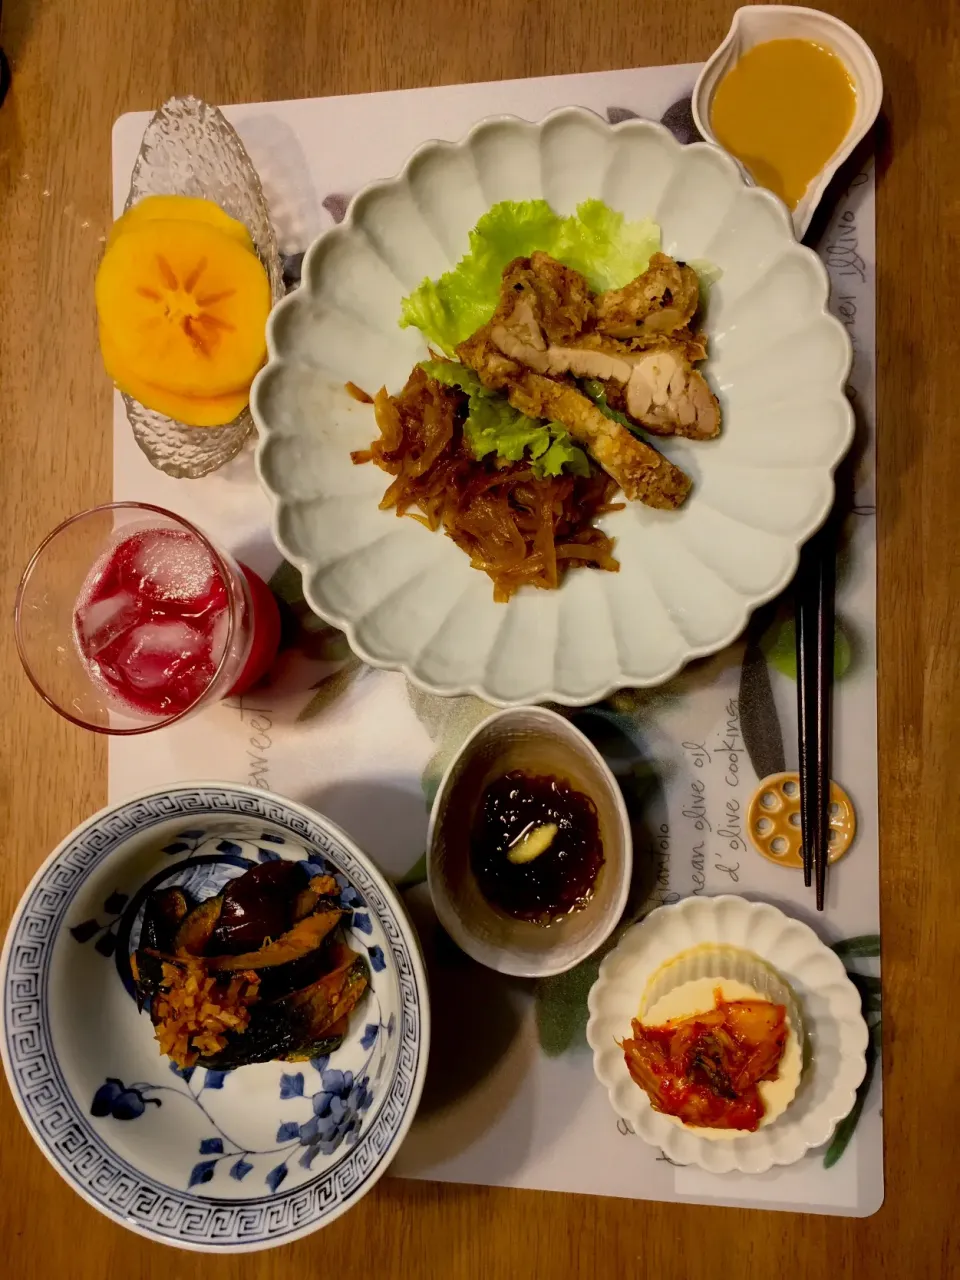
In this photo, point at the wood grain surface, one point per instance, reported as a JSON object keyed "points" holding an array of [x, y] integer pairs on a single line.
{"points": [[77, 65]]}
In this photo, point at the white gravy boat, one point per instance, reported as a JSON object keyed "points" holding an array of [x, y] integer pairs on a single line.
{"points": [[759, 23]]}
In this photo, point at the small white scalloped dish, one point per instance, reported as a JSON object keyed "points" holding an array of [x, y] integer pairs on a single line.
{"points": [[407, 598], [832, 1025]]}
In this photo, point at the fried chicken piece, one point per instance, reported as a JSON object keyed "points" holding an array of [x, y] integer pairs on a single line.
{"points": [[520, 338], [588, 355], [641, 472], [494, 369], [661, 391], [543, 311], [667, 396], [693, 345], [644, 474], [662, 299], [558, 296]]}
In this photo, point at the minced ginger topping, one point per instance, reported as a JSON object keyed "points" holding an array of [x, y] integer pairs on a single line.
{"points": [[194, 1012]]}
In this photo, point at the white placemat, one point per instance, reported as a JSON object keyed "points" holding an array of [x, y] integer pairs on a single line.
{"points": [[511, 1099]]}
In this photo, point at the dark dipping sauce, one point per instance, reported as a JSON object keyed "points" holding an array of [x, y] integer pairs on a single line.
{"points": [[559, 880]]}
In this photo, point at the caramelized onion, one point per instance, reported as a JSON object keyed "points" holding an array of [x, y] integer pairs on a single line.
{"points": [[358, 393], [519, 529]]}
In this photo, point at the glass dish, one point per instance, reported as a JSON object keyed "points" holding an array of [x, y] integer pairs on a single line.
{"points": [[54, 598], [189, 148]]}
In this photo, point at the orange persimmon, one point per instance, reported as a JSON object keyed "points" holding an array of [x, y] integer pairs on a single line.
{"points": [[180, 209], [192, 411], [184, 307]]}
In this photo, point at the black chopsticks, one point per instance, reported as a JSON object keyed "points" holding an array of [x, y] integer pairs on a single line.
{"points": [[814, 638]]}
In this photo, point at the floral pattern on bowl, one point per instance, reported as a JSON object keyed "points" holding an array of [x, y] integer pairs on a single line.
{"points": [[338, 1105], [340, 1100], [217, 1160]]}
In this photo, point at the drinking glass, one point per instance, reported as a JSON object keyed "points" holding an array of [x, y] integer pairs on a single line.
{"points": [[49, 609]]}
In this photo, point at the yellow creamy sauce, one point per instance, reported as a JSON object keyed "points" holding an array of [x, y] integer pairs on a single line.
{"points": [[783, 110]]}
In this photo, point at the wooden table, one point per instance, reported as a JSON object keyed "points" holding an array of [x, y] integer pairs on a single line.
{"points": [[77, 64]]}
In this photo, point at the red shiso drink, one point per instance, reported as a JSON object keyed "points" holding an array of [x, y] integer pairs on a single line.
{"points": [[151, 621], [161, 624]]}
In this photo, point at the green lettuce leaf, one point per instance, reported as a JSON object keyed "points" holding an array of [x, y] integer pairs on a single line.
{"points": [[494, 426], [603, 246], [595, 240], [453, 374], [593, 388], [708, 272], [563, 454]]}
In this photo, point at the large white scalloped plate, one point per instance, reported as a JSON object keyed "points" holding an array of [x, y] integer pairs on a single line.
{"points": [[836, 1033], [408, 599]]}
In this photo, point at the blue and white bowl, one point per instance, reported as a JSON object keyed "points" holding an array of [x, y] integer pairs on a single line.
{"points": [[207, 1160]]}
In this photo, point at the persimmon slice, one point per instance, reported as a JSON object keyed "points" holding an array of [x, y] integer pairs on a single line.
{"points": [[192, 411], [185, 307], [181, 209]]}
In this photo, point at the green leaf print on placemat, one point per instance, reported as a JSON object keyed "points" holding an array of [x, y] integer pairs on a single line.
{"points": [[449, 722], [771, 648], [416, 875], [864, 947], [780, 646], [759, 720], [286, 583], [562, 1006], [303, 632], [330, 688]]}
